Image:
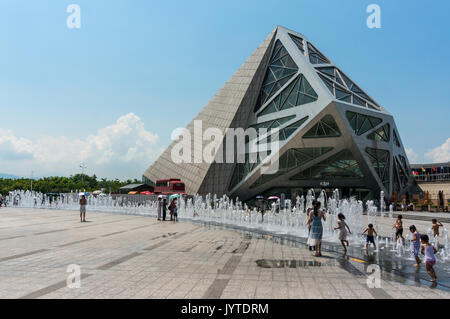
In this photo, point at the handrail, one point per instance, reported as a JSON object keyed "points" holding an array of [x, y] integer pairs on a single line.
{"points": [[442, 177]]}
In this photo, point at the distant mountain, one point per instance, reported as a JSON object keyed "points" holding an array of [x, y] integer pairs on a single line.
{"points": [[8, 176]]}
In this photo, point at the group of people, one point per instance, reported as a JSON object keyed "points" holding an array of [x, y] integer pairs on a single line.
{"points": [[420, 242], [315, 216], [3, 201], [162, 209]]}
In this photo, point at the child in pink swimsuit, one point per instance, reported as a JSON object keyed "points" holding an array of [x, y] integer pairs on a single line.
{"points": [[429, 251]]}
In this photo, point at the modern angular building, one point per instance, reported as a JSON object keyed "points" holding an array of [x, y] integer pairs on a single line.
{"points": [[332, 133]]}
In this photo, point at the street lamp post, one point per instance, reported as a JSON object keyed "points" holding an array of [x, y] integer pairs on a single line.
{"points": [[83, 167]]}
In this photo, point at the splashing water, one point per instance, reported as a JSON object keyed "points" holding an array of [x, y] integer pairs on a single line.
{"points": [[226, 211]]}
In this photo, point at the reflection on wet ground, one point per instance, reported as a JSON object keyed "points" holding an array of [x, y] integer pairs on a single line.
{"points": [[272, 263], [356, 261]]}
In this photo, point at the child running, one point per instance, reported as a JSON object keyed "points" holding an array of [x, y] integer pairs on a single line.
{"points": [[370, 237], [415, 240], [399, 228], [429, 251], [435, 227], [343, 227]]}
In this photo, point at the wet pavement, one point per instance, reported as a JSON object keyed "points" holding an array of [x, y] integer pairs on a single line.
{"points": [[125, 256], [356, 261]]}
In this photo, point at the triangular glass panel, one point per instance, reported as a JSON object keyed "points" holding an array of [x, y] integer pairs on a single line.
{"points": [[290, 96], [339, 166], [315, 57], [381, 134], [326, 127], [298, 42], [281, 69], [292, 159]]}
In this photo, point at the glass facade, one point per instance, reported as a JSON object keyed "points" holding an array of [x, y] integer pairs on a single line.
{"points": [[380, 162], [345, 85], [339, 166], [362, 123], [272, 124], [297, 93], [298, 42], [382, 134], [284, 133], [326, 127], [292, 159], [315, 56], [147, 181], [280, 70], [396, 139]]}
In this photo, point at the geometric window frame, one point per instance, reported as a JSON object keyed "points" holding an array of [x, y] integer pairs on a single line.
{"points": [[291, 159], [326, 127], [396, 139], [361, 123], [380, 135], [345, 89], [315, 56], [380, 160], [342, 165], [280, 70], [343, 94], [299, 42], [298, 92]]}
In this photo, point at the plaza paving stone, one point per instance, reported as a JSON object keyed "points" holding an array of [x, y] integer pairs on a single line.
{"points": [[124, 256]]}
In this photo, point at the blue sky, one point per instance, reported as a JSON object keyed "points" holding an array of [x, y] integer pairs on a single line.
{"points": [[142, 68]]}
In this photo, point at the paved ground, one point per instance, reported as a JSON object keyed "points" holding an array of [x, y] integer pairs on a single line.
{"points": [[123, 256]]}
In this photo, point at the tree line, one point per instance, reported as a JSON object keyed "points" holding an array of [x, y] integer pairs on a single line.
{"points": [[58, 184]]}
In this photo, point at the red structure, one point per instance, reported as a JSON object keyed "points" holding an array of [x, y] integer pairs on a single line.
{"points": [[169, 186]]}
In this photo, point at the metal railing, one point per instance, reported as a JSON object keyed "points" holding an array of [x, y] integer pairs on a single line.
{"points": [[442, 177]]}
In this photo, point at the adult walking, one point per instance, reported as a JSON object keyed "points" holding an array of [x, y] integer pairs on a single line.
{"points": [[315, 237], [164, 208], [83, 203], [172, 207], [159, 208], [309, 212]]}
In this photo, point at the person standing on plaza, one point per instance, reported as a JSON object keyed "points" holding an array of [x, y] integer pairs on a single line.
{"points": [[315, 221], [83, 203], [175, 211], [415, 240], [159, 208], [171, 208], [164, 208], [309, 211]]}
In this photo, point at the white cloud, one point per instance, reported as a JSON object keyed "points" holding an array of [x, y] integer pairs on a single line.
{"points": [[412, 156], [440, 154], [123, 149]]}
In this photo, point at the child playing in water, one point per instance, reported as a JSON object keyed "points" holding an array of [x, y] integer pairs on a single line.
{"points": [[399, 228], [370, 236], [435, 226], [343, 227], [415, 240], [429, 251]]}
